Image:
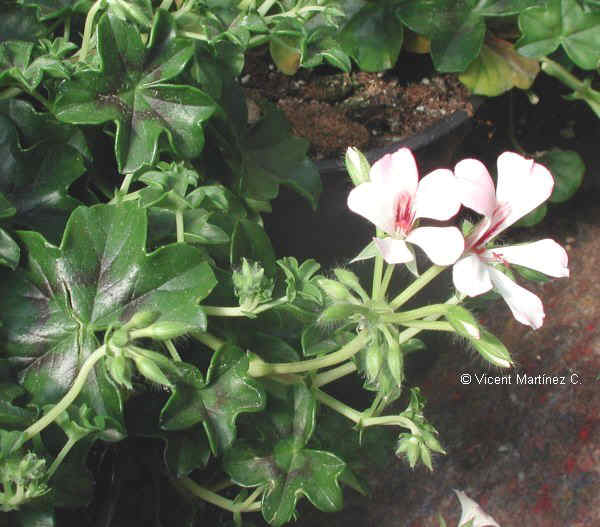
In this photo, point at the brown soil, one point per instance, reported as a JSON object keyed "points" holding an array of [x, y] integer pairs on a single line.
{"points": [[366, 110]]}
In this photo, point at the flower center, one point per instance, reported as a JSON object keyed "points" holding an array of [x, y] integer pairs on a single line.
{"points": [[498, 217], [404, 214]]}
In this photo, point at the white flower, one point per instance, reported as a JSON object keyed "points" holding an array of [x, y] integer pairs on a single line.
{"points": [[522, 186], [394, 199], [472, 511]]}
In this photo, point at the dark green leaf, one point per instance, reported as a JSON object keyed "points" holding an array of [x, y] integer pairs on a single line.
{"points": [[250, 241], [373, 37], [568, 168], [9, 250], [17, 23], [534, 217], [216, 404], [131, 91], [48, 9], [12, 416], [100, 275], [288, 472], [35, 181]]}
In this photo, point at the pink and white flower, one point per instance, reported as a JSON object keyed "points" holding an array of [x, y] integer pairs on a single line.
{"points": [[523, 185], [394, 200]]}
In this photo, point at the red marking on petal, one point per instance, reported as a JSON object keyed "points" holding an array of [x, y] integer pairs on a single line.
{"points": [[404, 214]]}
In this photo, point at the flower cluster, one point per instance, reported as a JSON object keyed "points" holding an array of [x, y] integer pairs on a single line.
{"points": [[394, 199]]}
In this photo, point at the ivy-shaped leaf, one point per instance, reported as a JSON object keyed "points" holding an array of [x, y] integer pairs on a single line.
{"points": [[35, 181], [456, 27], [561, 22], [54, 307], [289, 469], [229, 391], [12, 416], [131, 90]]}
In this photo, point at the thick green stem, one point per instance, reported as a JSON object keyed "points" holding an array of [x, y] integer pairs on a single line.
{"points": [[60, 456], [211, 497], [409, 333], [338, 406], [582, 90], [87, 29], [332, 375], [377, 272], [179, 226], [67, 29], [391, 420], [416, 286], [126, 183], [414, 314], [260, 368], [265, 6], [214, 343], [389, 271], [172, 350], [432, 326], [69, 397], [222, 311]]}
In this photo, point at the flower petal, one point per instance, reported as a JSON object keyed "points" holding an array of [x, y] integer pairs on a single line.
{"points": [[522, 184], [526, 307], [443, 245], [376, 203], [437, 196], [545, 256], [471, 276], [471, 510], [397, 172], [475, 186], [394, 251]]}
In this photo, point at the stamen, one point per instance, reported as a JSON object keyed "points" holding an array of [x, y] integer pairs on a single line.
{"points": [[404, 213]]}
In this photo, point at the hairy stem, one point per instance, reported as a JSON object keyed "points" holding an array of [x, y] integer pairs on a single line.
{"points": [[212, 497], [416, 286], [172, 350], [335, 373], [60, 456], [69, 397], [209, 340], [260, 368], [389, 271], [432, 326], [179, 226]]}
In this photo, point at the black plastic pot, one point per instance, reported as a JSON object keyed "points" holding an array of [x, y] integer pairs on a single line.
{"points": [[333, 235]]}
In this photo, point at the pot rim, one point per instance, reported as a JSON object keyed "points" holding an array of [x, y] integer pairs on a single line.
{"points": [[415, 142]]}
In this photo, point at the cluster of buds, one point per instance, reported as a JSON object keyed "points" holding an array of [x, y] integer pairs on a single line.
{"points": [[252, 286], [23, 479]]}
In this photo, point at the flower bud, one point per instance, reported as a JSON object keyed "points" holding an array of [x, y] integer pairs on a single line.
{"points": [[120, 338], [142, 319], [335, 290], [373, 362], [395, 362], [463, 322], [251, 286], [164, 330], [357, 166], [120, 370], [151, 371], [492, 350]]}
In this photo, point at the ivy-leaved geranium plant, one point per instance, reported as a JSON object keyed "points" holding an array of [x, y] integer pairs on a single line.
{"points": [[153, 347]]}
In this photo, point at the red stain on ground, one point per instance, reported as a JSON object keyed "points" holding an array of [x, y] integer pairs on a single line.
{"points": [[570, 464], [544, 502], [584, 433]]}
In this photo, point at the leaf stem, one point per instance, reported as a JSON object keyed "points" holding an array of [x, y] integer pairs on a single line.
{"points": [[416, 286], [209, 340], [179, 226], [413, 314], [211, 497], [61, 455], [67, 29], [432, 326], [126, 183], [377, 271], [338, 406], [87, 29], [172, 350], [265, 6], [69, 397], [409, 333], [260, 368], [389, 271], [334, 374]]}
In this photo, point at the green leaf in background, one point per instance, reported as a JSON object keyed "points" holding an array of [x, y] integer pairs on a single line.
{"points": [[289, 470], [250, 241], [534, 217], [9, 250], [131, 91], [48, 9], [17, 23], [12, 416], [100, 275], [561, 22], [499, 68], [456, 27], [568, 168], [373, 37], [35, 181], [228, 392]]}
